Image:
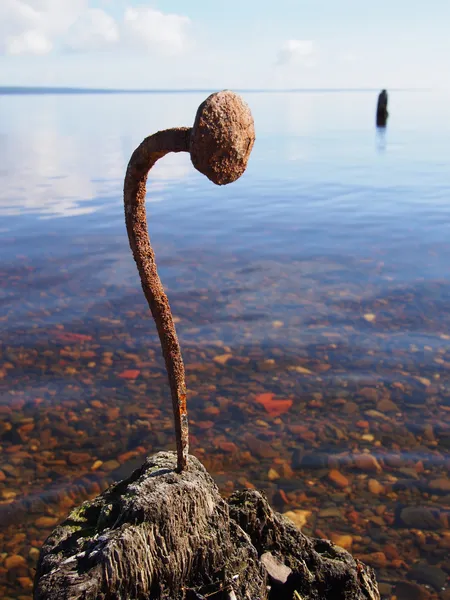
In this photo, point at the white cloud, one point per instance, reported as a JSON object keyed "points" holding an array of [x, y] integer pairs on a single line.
{"points": [[300, 52], [42, 26], [32, 26], [28, 42], [153, 29], [92, 30]]}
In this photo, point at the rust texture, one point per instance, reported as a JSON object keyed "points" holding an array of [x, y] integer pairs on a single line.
{"points": [[220, 143], [222, 137]]}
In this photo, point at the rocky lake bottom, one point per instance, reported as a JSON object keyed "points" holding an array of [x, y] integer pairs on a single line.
{"points": [[316, 346]]}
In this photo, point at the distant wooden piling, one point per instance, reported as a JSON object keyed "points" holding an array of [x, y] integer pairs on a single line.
{"points": [[382, 111]]}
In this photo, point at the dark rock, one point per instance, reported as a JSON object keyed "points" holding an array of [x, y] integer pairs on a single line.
{"points": [[297, 457], [428, 574], [393, 460], [378, 535], [420, 517], [12, 436], [161, 534], [405, 485], [407, 590], [444, 440], [258, 447], [416, 398], [311, 461]]}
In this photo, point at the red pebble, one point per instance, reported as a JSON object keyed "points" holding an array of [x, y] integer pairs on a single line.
{"points": [[129, 374]]}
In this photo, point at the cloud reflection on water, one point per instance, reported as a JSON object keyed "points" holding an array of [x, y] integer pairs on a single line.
{"points": [[51, 171]]}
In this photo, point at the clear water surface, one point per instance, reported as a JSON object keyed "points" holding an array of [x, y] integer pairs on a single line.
{"points": [[321, 277]]}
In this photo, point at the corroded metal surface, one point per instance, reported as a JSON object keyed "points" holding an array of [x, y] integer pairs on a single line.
{"points": [[220, 144]]}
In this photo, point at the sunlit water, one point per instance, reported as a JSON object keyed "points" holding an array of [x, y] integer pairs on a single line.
{"points": [[322, 276]]}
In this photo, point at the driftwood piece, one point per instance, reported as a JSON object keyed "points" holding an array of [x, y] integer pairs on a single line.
{"points": [[161, 534]]}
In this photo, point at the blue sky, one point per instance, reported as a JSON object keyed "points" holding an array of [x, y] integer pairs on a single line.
{"points": [[225, 43]]}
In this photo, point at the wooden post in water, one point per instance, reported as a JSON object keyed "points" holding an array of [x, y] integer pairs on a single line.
{"points": [[382, 111]]}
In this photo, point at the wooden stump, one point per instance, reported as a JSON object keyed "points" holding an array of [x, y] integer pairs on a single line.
{"points": [[161, 534]]}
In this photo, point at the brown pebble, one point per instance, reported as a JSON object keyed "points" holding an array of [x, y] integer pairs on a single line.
{"points": [[375, 487], [368, 393], [350, 407], [34, 553], [374, 559], [13, 561], [113, 413], [76, 458], [287, 471], [394, 460], [386, 405], [212, 411], [205, 424], [96, 465], [298, 517], [338, 479], [273, 475], [367, 462], [444, 541], [385, 589], [222, 359], [66, 502], [25, 582], [46, 522], [391, 551], [228, 446], [126, 456], [342, 540], [2, 476], [440, 486], [258, 447], [110, 465]]}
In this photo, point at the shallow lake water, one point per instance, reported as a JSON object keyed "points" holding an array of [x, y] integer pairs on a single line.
{"points": [[311, 299]]}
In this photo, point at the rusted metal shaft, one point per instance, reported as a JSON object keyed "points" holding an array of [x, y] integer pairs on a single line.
{"points": [[220, 143]]}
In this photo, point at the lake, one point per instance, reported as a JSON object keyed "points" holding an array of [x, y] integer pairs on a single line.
{"points": [[311, 299]]}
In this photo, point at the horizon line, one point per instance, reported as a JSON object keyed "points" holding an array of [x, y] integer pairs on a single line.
{"points": [[41, 90]]}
